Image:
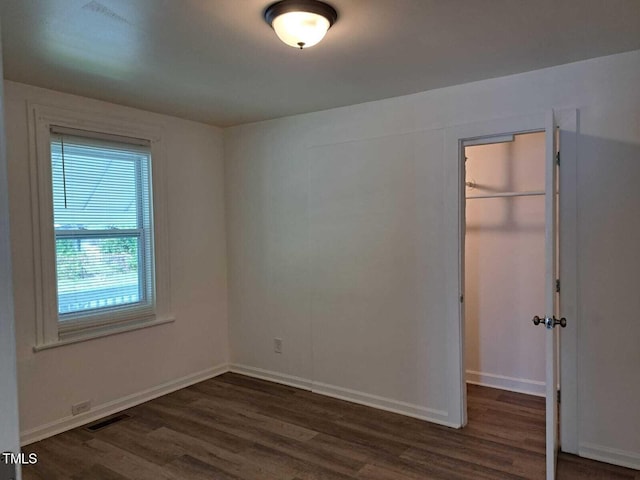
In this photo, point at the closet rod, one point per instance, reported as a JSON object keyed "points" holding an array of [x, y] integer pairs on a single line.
{"points": [[508, 194]]}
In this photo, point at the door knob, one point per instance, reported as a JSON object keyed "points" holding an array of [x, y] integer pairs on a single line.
{"points": [[550, 322]]}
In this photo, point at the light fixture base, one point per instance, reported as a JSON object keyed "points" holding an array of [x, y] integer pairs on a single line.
{"points": [[311, 6]]}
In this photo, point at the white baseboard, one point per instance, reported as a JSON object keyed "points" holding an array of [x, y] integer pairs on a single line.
{"points": [[115, 406], [520, 385], [354, 396], [610, 455], [390, 405], [276, 377]]}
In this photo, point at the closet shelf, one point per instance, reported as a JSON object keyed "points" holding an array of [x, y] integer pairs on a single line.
{"points": [[508, 194]]}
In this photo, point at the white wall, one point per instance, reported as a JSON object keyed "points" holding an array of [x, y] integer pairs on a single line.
{"points": [[338, 249], [504, 265], [114, 370], [8, 383]]}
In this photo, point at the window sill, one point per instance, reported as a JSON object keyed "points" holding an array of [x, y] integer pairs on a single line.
{"points": [[104, 333]]}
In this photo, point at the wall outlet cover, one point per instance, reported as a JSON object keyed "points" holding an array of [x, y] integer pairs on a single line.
{"points": [[81, 407]]}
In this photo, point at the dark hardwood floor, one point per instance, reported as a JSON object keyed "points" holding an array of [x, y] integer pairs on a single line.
{"points": [[235, 427]]}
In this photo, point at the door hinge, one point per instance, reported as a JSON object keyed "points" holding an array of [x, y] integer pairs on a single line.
{"points": [[461, 298], [559, 396], [558, 158], [558, 285]]}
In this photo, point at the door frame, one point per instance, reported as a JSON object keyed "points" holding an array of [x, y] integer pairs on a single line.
{"points": [[454, 206]]}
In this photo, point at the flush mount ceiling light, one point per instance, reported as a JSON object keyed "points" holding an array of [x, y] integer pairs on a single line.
{"points": [[300, 23]]}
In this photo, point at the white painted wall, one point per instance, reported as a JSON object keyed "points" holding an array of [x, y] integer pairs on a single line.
{"points": [[338, 249], [504, 265], [9, 439], [130, 365]]}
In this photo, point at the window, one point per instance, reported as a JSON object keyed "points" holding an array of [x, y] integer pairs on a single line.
{"points": [[103, 228], [100, 241]]}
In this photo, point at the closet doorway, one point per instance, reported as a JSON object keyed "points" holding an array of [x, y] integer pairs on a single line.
{"points": [[512, 187], [505, 262], [504, 284]]}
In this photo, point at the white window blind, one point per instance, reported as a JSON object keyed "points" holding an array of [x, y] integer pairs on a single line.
{"points": [[103, 226]]}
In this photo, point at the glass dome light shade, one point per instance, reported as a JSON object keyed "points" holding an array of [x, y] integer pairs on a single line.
{"points": [[300, 23], [301, 29]]}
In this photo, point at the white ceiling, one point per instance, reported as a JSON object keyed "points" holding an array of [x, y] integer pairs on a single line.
{"points": [[216, 61]]}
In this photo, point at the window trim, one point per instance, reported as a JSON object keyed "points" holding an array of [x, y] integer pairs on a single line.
{"points": [[100, 126]]}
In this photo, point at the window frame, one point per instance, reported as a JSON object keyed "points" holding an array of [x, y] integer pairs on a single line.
{"points": [[69, 322], [49, 330]]}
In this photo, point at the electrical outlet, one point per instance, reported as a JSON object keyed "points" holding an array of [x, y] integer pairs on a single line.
{"points": [[277, 345], [81, 407]]}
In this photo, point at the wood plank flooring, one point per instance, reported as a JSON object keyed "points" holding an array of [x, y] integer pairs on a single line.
{"points": [[238, 428]]}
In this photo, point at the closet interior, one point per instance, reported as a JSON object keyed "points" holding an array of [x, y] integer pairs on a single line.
{"points": [[505, 263]]}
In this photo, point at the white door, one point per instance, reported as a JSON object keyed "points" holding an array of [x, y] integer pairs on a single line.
{"points": [[551, 297]]}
